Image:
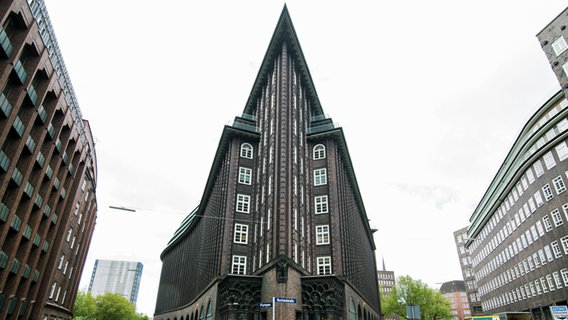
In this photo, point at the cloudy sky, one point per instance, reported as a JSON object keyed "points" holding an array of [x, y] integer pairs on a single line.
{"points": [[430, 94]]}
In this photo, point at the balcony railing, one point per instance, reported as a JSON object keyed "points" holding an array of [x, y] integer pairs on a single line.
{"points": [[5, 43]]}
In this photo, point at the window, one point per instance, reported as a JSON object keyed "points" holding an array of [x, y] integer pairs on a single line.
{"points": [[320, 177], [321, 204], [556, 249], [69, 232], [557, 280], [538, 198], [245, 175], [561, 151], [324, 265], [530, 175], [559, 185], [241, 233], [319, 152], [556, 217], [538, 168], [564, 242], [322, 234], [246, 150], [547, 223], [564, 273], [52, 291], [548, 253], [243, 203], [239, 265], [549, 160], [547, 191], [61, 260], [559, 46]]}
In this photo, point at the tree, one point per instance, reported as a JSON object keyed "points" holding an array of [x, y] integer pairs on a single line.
{"points": [[433, 305], [85, 307], [109, 306], [113, 306]]}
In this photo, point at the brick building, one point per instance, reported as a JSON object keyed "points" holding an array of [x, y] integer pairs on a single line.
{"points": [[281, 215], [47, 170], [517, 238]]}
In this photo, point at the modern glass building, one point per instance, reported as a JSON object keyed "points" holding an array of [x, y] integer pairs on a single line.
{"points": [[48, 170], [281, 230], [121, 277]]}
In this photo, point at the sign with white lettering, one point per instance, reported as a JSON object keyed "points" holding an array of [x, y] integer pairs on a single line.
{"points": [[559, 312], [285, 300], [265, 305]]}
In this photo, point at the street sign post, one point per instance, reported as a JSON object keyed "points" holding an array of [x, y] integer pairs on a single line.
{"points": [[280, 300]]}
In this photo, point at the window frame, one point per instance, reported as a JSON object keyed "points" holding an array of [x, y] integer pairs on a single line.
{"points": [[319, 152], [239, 264], [240, 233], [322, 234], [559, 45], [246, 151], [245, 175], [243, 203], [320, 177], [321, 204], [323, 265]]}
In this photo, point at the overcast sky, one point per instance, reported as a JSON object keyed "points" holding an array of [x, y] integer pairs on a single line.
{"points": [[430, 94]]}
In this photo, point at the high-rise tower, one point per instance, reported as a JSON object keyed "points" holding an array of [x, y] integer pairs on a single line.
{"points": [[281, 215], [48, 172]]}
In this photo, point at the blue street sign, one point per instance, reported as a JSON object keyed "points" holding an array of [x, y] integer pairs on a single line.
{"points": [[285, 300], [265, 305]]}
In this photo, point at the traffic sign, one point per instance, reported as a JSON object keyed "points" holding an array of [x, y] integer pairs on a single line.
{"points": [[265, 305]]}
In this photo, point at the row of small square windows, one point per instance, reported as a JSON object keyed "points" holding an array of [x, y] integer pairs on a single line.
{"points": [[527, 179], [530, 235], [318, 151], [239, 265], [532, 289]]}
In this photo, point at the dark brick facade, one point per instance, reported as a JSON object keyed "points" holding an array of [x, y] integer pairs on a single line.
{"points": [[324, 260], [47, 170]]}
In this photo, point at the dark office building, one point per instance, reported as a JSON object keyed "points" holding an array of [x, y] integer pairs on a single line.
{"points": [[281, 221], [47, 170], [518, 235]]}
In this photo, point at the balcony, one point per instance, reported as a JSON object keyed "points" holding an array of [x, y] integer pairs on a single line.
{"points": [[29, 190], [16, 223], [38, 201], [4, 161], [40, 159], [51, 131], [4, 211], [325, 127], [5, 44], [18, 126], [32, 95], [42, 114], [48, 172], [5, 105], [17, 177], [27, 232], [30, 144], [19, 72], [3, 259]]}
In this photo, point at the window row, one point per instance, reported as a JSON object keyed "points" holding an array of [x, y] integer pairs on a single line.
{"points": [[530, 175], [318, 151], [551, 282], [533, 261], [240, 235], [531, 234], [530, 206], [239, 265]]}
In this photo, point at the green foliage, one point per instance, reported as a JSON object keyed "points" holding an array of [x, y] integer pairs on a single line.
{"points": [[109, 306], [433, 305], [85, 307]]}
